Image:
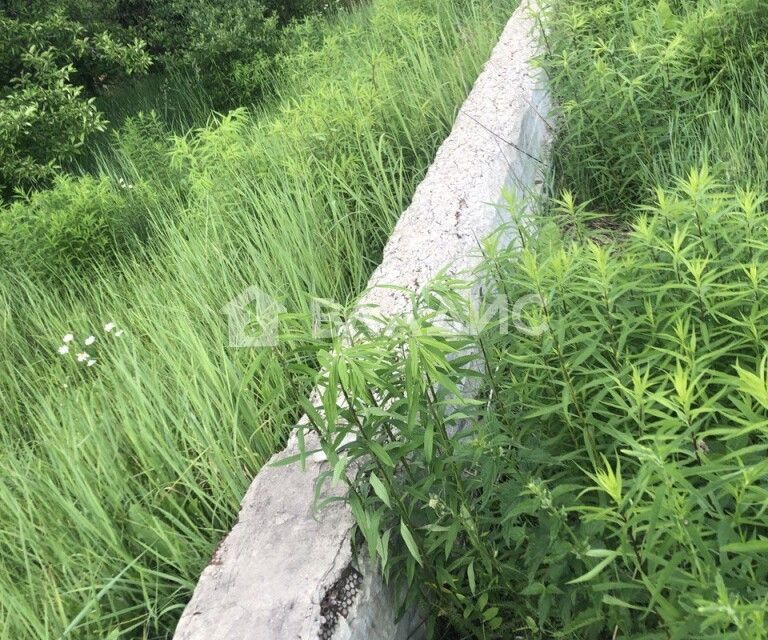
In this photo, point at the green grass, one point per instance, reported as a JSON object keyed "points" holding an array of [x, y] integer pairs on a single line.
{"points": [[118, 480], [175, 95]]}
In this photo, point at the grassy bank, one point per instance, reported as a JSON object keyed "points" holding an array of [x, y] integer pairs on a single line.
{"points": [[119, 479]]}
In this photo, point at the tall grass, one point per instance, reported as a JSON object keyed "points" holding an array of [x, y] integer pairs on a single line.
{"points": [[119, 479], [648, 90], [175, 95]]}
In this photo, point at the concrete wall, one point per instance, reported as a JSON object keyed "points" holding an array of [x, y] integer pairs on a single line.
{"points": [[285, 572]]}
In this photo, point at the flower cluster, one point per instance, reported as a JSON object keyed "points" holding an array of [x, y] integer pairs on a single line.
{"points": [[82, 356]]}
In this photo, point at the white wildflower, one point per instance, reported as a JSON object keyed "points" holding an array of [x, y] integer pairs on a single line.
{"points": [[82, 357], [63, 349], [109, 327], [68, 338], [91, 362], [118, 333], [89, 341]]}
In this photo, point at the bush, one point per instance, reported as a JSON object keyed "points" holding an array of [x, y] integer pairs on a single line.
{"points": [[218, 39], [231, 44], [78, 223], [43, 123], [610, 480], [57, 57], [648, 89], [45, 115], [81, 223]]}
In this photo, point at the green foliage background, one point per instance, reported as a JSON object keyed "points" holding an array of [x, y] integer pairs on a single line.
{"points": [[649, 89], [46, 114], [56, 58]]}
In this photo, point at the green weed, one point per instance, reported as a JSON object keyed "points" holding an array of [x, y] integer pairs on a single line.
{"points": [[609, 478]]}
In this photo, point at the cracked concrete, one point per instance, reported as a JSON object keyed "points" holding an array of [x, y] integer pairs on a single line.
{"points": [[269, 576]]}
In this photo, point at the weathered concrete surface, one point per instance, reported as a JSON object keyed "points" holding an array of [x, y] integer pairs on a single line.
{"points": [[269, 577], [373, 616], [499, 140]]}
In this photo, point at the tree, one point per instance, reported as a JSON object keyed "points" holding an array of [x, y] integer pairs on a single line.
{"points": [[50, 68]]}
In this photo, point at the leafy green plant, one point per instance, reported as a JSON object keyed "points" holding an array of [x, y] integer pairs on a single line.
{"points": [[231, 46], [646, 90], [43, 123], [78, 223], [45, 116], [218, 39], [609, 478], [63, 63]]}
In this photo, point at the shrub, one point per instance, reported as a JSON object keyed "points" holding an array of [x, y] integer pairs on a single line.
{"points": [[648, 89], [81, 223], [43, 123], [57, 57], [231, 44], [610, 479], [45, 116], [77, 224], [216, 38]]}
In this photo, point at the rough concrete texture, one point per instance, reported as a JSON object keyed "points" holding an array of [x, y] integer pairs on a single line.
{"points": [[372, 615], [270, 577], [499, 140]]}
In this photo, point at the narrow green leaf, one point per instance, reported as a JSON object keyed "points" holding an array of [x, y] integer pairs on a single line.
{"points": [[595, 570], [380, 489], [750, 546], [410, 542], [381, 454], [613, 601]]}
